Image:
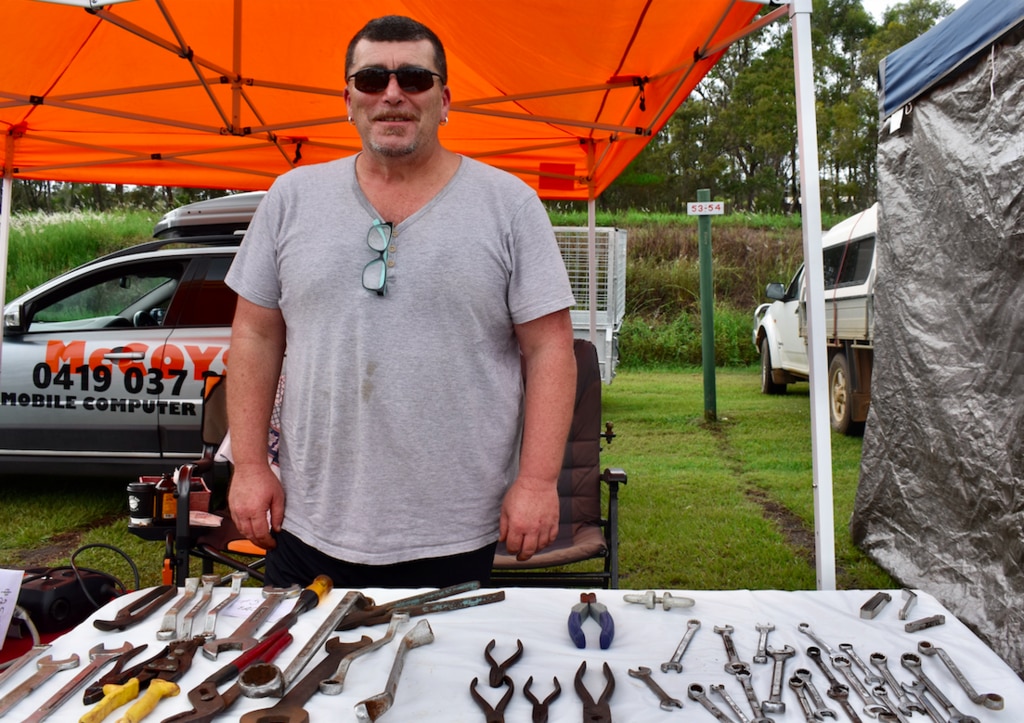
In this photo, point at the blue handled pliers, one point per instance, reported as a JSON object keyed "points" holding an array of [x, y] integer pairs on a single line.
{"points": [[590, 607]]}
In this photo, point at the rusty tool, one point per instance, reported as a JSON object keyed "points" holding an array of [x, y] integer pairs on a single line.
{"points": [[420, 604], [114, 696], [598, 711], [169, 664], [498, 670], [158, 690], [98, 657], [290, 708], [496, 713], [46, 667], [244, 636], [138, 610], [210, 628], [19, 663], [208, 701], [309, 597], [666, 701], [992, 701], [205, 595], [540, 708], [375, 706], [692, 626], [262, 680], [334, 684]]}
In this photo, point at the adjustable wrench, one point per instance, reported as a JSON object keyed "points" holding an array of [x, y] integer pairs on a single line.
{"points": [[98, 657], [169, 629], [692, 626], [245, 636], [46, 667], [992, 701]]}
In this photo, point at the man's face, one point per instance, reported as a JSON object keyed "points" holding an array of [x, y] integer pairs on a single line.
{"points": [[396, 123]]}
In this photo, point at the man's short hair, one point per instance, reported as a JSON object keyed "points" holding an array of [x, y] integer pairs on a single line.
{"points": [[398, 29]]}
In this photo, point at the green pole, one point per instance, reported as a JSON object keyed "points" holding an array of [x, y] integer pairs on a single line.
{"points": [[707, 308]]}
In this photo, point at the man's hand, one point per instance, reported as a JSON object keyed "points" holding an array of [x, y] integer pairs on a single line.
{"points": [[529, 516], [256, 501]]}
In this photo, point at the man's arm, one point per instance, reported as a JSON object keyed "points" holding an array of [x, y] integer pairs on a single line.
{"points": [[529, 512], [256, 356]]}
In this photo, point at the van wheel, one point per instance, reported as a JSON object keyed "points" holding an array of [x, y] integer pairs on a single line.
{"points": [[768, 386], [840, 397]]}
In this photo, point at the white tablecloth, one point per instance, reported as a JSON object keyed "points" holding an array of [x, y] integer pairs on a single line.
{"points": [[435, 683]]}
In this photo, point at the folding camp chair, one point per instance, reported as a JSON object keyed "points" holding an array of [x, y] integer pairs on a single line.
{"points": [[583, 533], [204, 478]]}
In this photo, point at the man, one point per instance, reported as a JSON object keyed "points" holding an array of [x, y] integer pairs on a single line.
{"points": [[413, 290]]}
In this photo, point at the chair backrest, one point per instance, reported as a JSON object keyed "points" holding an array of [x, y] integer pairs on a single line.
{"points": [[579, 484]]}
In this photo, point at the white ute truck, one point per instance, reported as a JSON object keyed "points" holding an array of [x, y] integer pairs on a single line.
{"points": [[780, 327]]}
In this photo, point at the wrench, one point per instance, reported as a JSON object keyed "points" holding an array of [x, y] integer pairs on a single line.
{"points": [[734, 663], [210, 628], [720, 689], [667, 701], [205, 595], [869, 678], [755, 705], [909, 599], [871, 707], [336, 682], [903, 701], [696, 692], [21, 662], [796, 684], [761, 656], [169, 629], [805, 628], [775, 704], [244, 637], [835, 688], [992, 701], [692, 626], [261, 680], [98, 657], [912, 662], [893, 709], [45, 669], [375, 706], [820, 709], [918, 690]]}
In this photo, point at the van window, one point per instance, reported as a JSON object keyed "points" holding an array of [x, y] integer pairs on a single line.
{"points": [[848, 264]]}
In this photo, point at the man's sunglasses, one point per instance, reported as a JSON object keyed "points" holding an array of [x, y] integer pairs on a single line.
{"points": [[410, 80]]}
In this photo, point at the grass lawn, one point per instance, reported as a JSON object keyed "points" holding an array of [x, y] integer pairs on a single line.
{"points": [[708, 505]]}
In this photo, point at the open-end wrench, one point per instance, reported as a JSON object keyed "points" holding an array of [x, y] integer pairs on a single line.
{"points": [[667, 701], [21, 662], [169, 628], [755, 703], [334, 684], [244, 636], [696, 692], [761, 656], [46, 667], [820, 709], [724, 695], [805, 628], [903, 701], [796, 684], [261, 680], [872, 707], [892, 707], [205, 595], [210, 627], [692, 626], [912, 662], [870, 679], [375, 706], [734, 664], [775, 704], [98, 657], [992, 701]]}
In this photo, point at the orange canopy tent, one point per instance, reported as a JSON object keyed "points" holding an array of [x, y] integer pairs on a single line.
{"points": [[221, 93]]}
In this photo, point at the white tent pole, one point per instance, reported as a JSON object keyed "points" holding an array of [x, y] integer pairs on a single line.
{"points": [[592, 266], [810, 207], [5, 223]]}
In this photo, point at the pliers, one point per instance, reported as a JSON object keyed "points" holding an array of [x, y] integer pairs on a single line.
{"points": [[589, 607], [169, 664]]}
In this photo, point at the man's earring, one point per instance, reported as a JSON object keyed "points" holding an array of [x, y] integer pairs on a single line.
{"points": [[444, 121]]}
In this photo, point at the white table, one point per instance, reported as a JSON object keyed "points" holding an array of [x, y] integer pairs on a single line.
{"points": [[435, 683]]}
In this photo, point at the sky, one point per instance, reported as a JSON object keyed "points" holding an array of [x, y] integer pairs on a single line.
{"points": [[878, 7]]}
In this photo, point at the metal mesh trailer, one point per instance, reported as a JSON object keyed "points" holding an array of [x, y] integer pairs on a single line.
{"points": [[610, 296]]}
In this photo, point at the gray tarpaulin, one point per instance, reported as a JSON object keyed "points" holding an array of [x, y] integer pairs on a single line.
{"points": [[940, 503]]}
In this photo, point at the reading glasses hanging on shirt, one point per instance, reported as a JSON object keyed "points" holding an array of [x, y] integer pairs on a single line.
{"points": [[375, 273]]}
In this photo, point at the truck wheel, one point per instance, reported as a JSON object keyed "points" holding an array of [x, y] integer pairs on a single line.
{"points": [[840, 396], [767, 385]]}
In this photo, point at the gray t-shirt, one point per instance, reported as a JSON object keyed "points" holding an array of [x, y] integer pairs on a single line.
{"points": [[401, 417]]}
